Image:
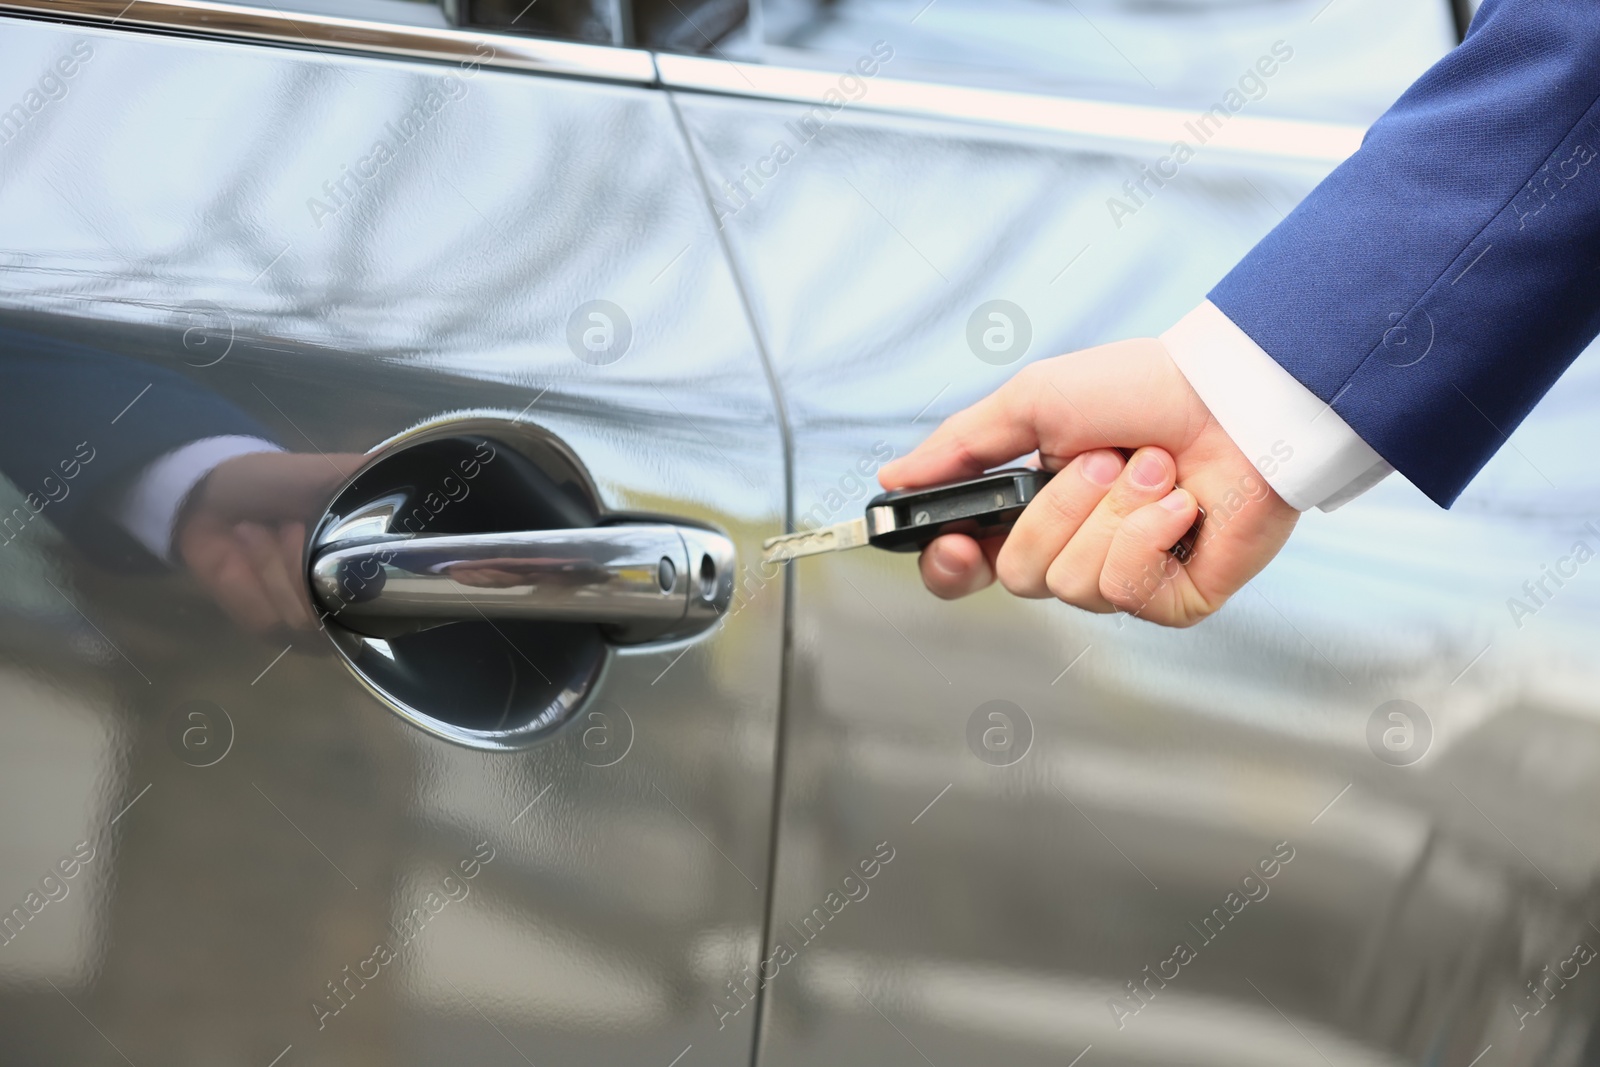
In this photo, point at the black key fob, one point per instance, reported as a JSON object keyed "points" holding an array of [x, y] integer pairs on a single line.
{"points": [[905, 520]]}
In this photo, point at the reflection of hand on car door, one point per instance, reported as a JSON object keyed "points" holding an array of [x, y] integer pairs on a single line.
{"points": [[242, 530], [139, 466]]}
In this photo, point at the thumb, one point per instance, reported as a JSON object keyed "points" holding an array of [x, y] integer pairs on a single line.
{"points": [[1115, 395]]}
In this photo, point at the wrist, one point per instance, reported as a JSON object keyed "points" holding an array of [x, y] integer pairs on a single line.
{"points": [[1308, 454]]}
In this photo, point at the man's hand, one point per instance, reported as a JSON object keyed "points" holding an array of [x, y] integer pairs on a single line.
{"points": [[1097, 535], [242, 534]]}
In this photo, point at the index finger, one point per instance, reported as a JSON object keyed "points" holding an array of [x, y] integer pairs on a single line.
{"points": [[999, 427], [1117, 394]]}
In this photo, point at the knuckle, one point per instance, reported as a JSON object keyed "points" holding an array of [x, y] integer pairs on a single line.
{"points": [[961, 441], [1064, 507], [1022, 393], [1069, 587], [1137, 531], [1028, 378], [1134, 588], [1017, 577], [1010, 574], [1201, 610], [1121, 591]]}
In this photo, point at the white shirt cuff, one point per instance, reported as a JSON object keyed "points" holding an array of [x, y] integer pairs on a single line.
{"points": [[1307, 453], [149, 509]]}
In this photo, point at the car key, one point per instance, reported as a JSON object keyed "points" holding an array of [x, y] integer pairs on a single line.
{"points": [[905, 520]]}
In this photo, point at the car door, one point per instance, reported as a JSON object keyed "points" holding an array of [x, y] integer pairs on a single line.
{"points": [[1349, 819], [470, 293]]}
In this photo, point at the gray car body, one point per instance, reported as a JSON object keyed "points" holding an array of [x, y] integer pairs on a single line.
{"points": [[706, 894]]}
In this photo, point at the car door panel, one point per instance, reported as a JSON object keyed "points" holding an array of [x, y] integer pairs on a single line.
{"points": [[217, 219], [1048, 861]]}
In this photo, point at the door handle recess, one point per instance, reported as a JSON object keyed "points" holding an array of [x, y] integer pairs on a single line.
{"points": [[474, 581], [641, 581]]}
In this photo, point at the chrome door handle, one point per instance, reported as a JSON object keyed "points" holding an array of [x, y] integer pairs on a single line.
{"points": [[643, 581]]}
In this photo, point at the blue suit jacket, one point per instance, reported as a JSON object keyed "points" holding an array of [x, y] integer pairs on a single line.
{"points": [[1437, 283]]}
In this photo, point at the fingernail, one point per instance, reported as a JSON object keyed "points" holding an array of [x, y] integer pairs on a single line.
{"points": [[1177, 500], [1102, 467], [940, 558], [1149, 470]]}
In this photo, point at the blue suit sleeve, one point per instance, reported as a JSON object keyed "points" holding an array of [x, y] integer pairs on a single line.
{"points": [[1434, 287], [78, 424]]}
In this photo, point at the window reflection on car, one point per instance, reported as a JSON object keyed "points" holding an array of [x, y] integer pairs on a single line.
{"points": [[1354, 57]]}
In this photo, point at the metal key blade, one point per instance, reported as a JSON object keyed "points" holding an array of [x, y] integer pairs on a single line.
{"points": [[835, 538]]}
